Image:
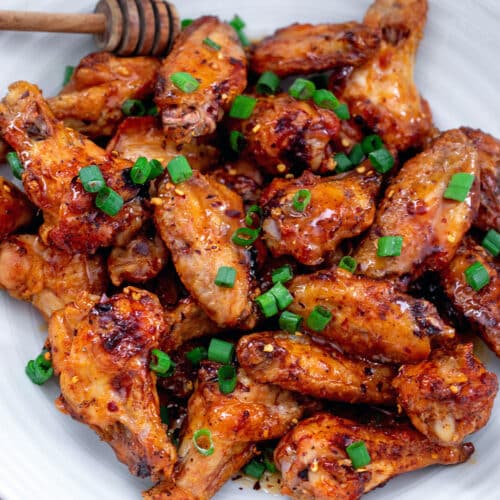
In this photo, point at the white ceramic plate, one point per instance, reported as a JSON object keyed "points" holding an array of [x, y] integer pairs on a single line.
{"points": [[46, 455]]}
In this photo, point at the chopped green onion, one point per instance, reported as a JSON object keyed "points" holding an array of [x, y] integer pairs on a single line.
{"points": [[153, 110], [371, 143], [282, 274], [226, 277], [243, 38], [344, 164], [164, 366], [164, 416], [179, 169], [68, 73], [227, 379], [348, 263], [254, 469], [15, 164], [156, 169], [270, 465], [40, 369], [196, 355], [237, 141], [133, 107], [289, 321], [245, 236], [220, 351], [325, 99], [301, 199], [356, 155], [242, 107], [140, 171], [318, 319], [477, 276], [459, 186], [302, 89], [358, 454], [249, 219], [108, 201], [91, 178], [382, 160], [200, 434], [268, 83], [389, 246], [237, 23], [268, 304], [283, 297], [492, 242], [342, 111], [184, 81], [210, 43], [186, 22]]}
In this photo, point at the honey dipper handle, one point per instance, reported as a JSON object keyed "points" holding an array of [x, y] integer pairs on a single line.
{"points": [[12, 20]]}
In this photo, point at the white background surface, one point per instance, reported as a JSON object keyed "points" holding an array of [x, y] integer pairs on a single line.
{"points": [[47, 456]]}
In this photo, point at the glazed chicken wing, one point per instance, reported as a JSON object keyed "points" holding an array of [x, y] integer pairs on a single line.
{"points": [[285, 134], [340, 207], [414, 207], [252, 412], [15, 209], [46, 276], [314, 463], [382, 93], [297, 363], [196, 220], [370, 318], [107, 384], [222, 75], [52, 156], [308, 48], [448, 396], [482, 307], [92, 101]]}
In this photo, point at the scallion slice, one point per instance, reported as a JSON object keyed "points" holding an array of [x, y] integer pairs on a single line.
{"points": [[141, 171], [318, 319], [477, 276], [202, 434], [15, 164], [179, 169], [39, 370], [348, 263], [156, 169], [185, 82], [381, 160], [242, 107], [186, 22], [344, 164], [91, 178], [237, 141], [108, 201], [196, 355], [254, 469], [68, 73], [283, 297], [389, 246], [228, 379], [268, 305], [325, 99], [210, 43], [245, 236], [282, 274], [492, 242], [371, 143], [163, 366], [356, 155], [250, 220], [342, 111], [302, 89], [459, 186], [358, 453], [237, 23], [268, 83], [133, 107], [220, 351], [226, 277], [301, 199], [289, 321]]}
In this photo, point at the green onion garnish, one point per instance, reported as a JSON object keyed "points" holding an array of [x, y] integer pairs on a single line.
{"points": [[270, 465], [325, 99], [237, 141], [268, 83], [156, 169], [245, 236], [267, 303], [356, 155], [226, 277], [39, 370], [227, 379], [459, 186], [358, 454], [302, 89], [203, 434], [301, 199], [289, 321], [389, 246], [210, 43], [477, 276], [68, 73], [242, 107], [371, 143], [348, 263], [15, 164], [249, 217], [140, 171], [282, 274], [342, 111], [381, 160], [108, 201], [254, 469], [186, 22], [92, 179], [185, 82], [344, 164], [164, 366], [220, 351], [243, 38], [196, 355], [237, 23], [133, 107], [283, 297], [318, 319], [153, 110], [492, 242], [179, 169]]}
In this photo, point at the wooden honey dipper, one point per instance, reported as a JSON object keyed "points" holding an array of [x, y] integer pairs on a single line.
{"points": [[126, 27]]}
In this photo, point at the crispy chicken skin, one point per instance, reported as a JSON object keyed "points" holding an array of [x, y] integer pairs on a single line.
{"points": [[341, 207], [222, 75], [46, 276], [196, 221], [308, 48], [370, 318], [315, 465], [284, 133], [52, 156], [481, 308], [252, 412], [414, 208], [449, 396], [382, 93], [488, 148], [297, 363], [15, 209], [92, 101], [107, 384]]}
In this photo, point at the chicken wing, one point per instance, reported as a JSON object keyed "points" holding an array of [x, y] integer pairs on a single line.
{"points": [[252, 412], [315, 466], [297, 363], [107, 384], [222, 75], [52, 156], [370, 318], [286, 134], [46, 276], [449, 396], [196, 220], [308, 48], [481, 308], [92, 101], [340, 207], [382, 93], [15, 209], [414, 207]]}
